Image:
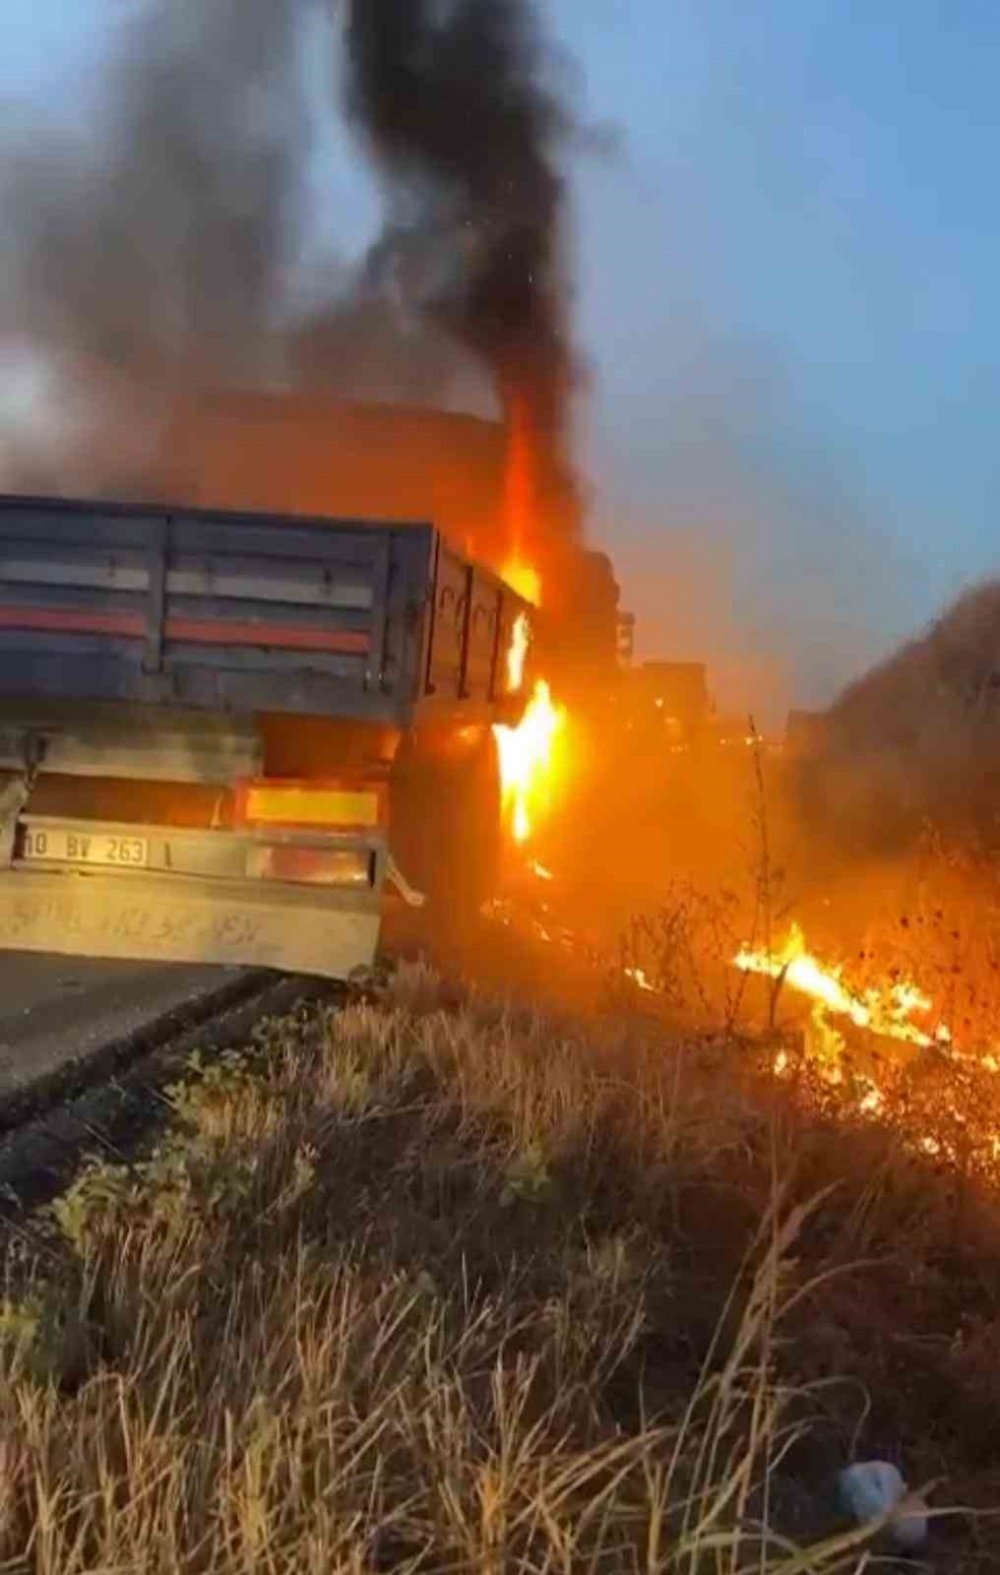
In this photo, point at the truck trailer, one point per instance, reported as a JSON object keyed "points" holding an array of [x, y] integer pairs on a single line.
{"points": [[232, 737]]}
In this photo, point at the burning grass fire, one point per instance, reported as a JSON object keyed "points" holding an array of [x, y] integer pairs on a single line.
{"points": [[942, 1104], [899, 1032], [884, 1012]]}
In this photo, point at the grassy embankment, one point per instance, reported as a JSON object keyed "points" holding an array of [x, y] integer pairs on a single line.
{"points": [[431, 1283]]}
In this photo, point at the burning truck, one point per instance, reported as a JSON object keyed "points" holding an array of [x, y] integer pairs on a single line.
{"points": [[304, 657], [231, 730]]}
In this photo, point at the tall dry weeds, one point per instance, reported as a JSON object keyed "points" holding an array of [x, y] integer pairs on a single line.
{"points": [[412, 1289]]}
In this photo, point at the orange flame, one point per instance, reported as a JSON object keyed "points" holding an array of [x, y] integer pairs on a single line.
{"points": [[520, 505], [885, 1012], [525, 580], [527, 761], [517, 654]]}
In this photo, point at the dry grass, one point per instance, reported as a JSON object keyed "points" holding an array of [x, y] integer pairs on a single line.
{"points": [[416, 1288]]}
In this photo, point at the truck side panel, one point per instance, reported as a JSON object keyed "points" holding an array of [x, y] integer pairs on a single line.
{"points": [[472, 618], [198, 714], [211, 611]]}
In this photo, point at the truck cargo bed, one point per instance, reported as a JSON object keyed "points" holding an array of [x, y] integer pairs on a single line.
{"points": [[224, 612]]}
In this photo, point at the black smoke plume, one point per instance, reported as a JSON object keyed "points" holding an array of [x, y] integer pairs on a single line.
{"points": [[453, 101]]}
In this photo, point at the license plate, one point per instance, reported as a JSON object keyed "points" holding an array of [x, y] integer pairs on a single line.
{"points": [[60, 846]]}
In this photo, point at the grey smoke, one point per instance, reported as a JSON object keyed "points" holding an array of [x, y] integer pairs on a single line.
{"points": [[161, 245], [373, 341], [156, 257]]}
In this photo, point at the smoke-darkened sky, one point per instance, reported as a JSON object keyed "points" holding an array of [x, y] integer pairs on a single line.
{"points": [[787, 260]]}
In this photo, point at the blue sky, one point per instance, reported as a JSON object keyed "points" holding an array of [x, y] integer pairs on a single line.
{"points": [[787, 301]]}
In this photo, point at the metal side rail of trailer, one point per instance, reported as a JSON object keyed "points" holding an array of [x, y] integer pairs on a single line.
{"points": [[150, 649], [240, 614]]}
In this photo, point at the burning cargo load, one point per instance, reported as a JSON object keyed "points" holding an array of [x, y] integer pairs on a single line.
{"points": [[916, 742], [311, 454]]}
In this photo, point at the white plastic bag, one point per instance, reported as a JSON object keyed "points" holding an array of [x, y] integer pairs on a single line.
{"points": [[872, 1489]]}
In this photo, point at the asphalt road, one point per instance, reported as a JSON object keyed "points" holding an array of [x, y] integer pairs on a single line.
{"points": [[54, 1009]]}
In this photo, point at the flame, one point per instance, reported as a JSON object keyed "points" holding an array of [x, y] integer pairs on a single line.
{"points": [[517, 653], [520, 505], [886, 1012], [527, 760], [641, 978], [964, 1108], [952, 1120], [523, 579]]}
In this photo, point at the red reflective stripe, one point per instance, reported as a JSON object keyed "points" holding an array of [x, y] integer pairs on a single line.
{"points": [[292, 637], [72, 620], [80, 620]]}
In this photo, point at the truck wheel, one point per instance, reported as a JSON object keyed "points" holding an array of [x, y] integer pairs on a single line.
{"points": [[445, 829]]}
